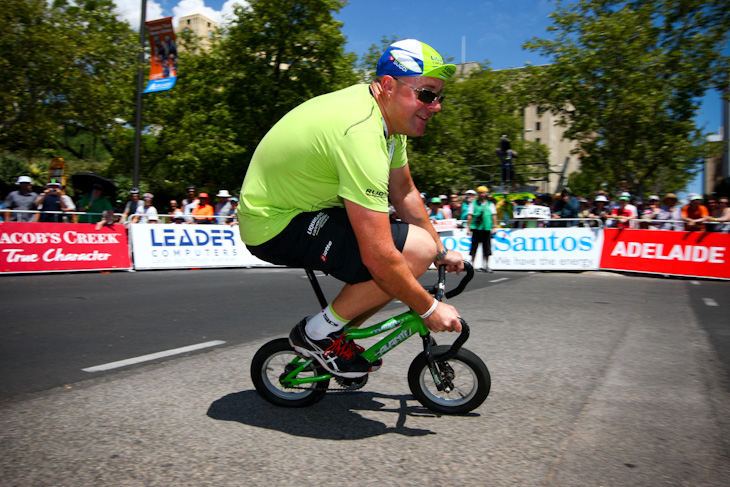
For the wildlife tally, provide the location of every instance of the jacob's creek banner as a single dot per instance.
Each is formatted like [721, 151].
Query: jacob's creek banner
[186, 246]
[47, 247]
[163, 59]
[701, 254]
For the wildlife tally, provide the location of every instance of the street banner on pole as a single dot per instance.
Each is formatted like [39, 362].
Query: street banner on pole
[163, 59]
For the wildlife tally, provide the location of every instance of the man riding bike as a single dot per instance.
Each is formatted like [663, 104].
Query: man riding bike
[317, 192]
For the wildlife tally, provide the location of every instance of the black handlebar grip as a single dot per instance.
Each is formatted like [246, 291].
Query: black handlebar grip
[464, 281]
[456, 346]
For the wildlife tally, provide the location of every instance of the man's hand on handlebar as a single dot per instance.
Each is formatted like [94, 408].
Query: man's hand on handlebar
[453, 261]
[444, 318]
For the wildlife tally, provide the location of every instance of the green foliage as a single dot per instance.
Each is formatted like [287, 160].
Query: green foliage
[626, 79]
[477, 111]
[66, 65]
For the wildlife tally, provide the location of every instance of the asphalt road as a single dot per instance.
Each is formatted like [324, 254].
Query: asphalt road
[598, 379]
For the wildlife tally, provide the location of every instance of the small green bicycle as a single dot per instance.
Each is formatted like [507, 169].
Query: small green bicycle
[447, 379]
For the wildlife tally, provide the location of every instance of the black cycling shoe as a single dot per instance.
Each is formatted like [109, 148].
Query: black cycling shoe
[337, 355]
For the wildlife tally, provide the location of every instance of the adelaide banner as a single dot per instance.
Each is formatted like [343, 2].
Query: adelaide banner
[697, 254]
[48, 247]
[163, 59]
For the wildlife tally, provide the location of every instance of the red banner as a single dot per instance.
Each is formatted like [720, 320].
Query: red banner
[45, 247]
[699, 254]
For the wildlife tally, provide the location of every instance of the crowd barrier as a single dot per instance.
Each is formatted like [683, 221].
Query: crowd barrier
[48, 247]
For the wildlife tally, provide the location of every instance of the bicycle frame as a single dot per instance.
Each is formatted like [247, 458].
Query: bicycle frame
[404, 326]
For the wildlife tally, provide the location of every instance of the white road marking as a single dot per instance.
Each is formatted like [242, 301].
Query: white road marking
[152, 356]
[502, 279]
[710, 302]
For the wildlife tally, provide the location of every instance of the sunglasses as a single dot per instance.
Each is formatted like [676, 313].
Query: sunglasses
[424, 95]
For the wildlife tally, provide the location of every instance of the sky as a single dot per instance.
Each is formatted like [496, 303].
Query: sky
[490, 32]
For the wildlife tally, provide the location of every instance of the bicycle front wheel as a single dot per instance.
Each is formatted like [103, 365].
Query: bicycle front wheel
[467, 373]
[272, 362]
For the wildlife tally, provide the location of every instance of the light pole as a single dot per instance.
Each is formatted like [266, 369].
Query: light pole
[140, 84]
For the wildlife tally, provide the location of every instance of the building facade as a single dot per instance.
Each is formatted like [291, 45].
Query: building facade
[200, 25]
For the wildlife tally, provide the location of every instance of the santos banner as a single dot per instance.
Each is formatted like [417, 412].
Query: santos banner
[189, 246]
[558, 249]
[47, 247]
[163, 59]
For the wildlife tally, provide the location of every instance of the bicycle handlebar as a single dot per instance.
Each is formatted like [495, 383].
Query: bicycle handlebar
[438, 290]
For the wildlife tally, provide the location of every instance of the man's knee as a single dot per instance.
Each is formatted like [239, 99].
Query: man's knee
[419, 250]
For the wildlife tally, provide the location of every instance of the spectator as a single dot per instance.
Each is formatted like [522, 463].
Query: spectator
[670, 214]
[445, 208]
[178, 218]
[2, 207]
[469, 196]
[481, 222]
[203, 212]
[132, 205]
[566, 206]
[234, 212]
[145, 212]
[22, 199]
[720, 216]
[600, 209]
[585, 209]
[435, 212]
[506, 160]
[223, 208]
[623, 213]
[175, 211]
[95, 205]
[189, 203]
[455, 205]
[695, 214]
[649, 213]
[52, 200]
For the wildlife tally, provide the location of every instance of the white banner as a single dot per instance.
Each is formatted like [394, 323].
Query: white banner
[534, 211]
[171, 246]
[535, 249]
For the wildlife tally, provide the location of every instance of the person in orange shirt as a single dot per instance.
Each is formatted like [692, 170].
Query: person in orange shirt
[203, 211]
[695, 214]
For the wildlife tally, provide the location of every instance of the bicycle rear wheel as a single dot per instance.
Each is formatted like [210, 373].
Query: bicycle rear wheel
[270, 363]
[466, 371]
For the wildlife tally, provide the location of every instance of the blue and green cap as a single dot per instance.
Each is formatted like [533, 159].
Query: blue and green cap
[410, 57]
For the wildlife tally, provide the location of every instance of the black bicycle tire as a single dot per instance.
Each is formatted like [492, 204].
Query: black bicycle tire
[469, 359]
[272, 394]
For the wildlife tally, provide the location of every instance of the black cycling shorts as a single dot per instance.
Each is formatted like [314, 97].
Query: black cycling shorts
[324, 241]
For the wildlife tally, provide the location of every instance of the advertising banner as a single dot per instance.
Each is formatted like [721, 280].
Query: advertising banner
[47, 247]
[163, 58]
[534, 249]
[189, 246]
[699, 254]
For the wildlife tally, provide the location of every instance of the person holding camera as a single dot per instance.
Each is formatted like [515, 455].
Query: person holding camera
[481, 221]
[52, 201]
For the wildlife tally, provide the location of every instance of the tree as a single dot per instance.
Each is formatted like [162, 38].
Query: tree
[278, 54]
[66, 68]
[626, 78]
[477, 111]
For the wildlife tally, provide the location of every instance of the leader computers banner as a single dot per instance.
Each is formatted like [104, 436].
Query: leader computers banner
[163, 59]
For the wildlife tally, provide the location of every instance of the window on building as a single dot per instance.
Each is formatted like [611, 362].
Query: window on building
[537, 110]
[188, 21]
[537, 140]
[210, 34]
[208, 24]
[537, 126]
[186, 29]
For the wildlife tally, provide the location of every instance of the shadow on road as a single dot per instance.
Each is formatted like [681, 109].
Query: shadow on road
[336, 417]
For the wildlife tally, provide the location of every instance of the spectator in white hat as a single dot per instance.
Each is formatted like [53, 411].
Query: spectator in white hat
[22, 199]
[145, 213]
[223, 208]
[51, 200]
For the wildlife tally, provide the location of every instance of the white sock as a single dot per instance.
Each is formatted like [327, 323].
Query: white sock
[324, 323]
